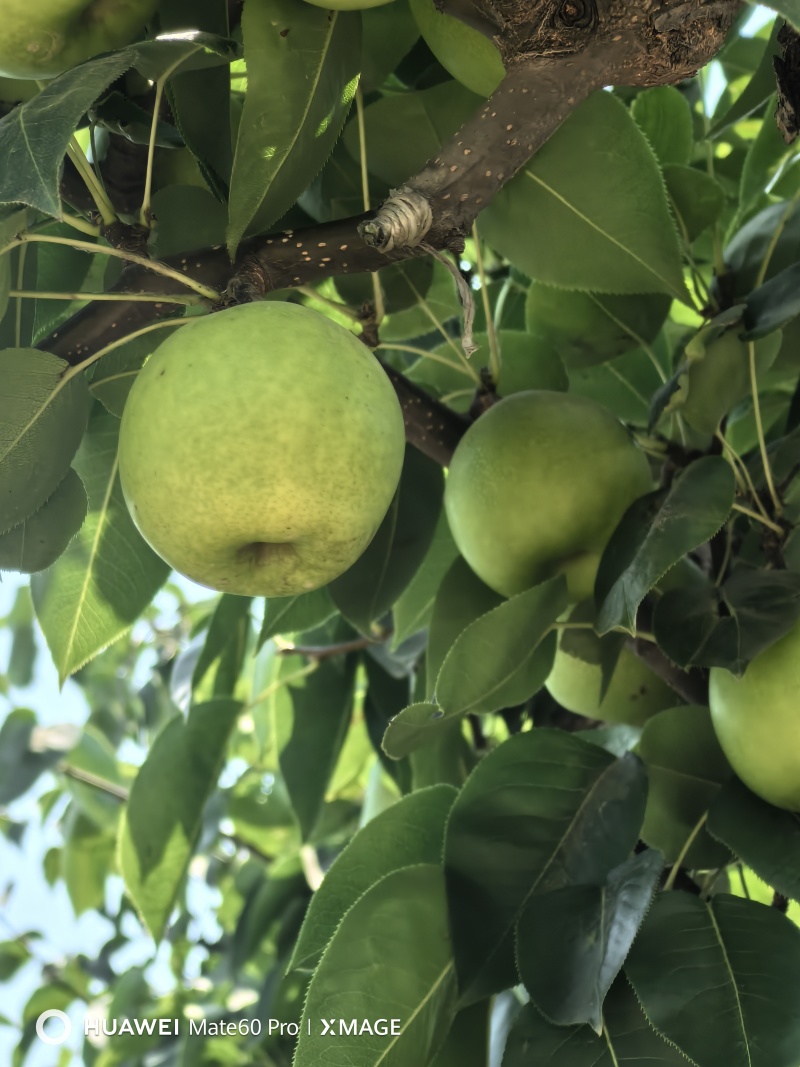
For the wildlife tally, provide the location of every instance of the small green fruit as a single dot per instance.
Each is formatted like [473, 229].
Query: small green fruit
[43, 38]
[465, 52]
[536, 488]
[757, 720]
[634, 693]
[260, 449]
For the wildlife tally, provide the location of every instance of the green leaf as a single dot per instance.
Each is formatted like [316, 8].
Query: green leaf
[686, 768]
[409, 832]
[728, 961]
[115, 374]
[414, 727]
[773, 304]
[188, 218]
[727, 626]
[461, 599]
[697, 199]
[366, 591]
[665, 118]
[225, 645]
[300, 86]
[543, 810]
[657, 531]
[587, 328]
[468, 1039]
[766, 838]
[393, 943]
[571, 943]
[294, 614]
[403, 130]
[312, 715]
[563, 221]
[20, 765]
[628, 1039]
[624, 384]
[771, 236]
[98, 588]
[87, 858]
[757, 91]
[162, 821]
[42, 420]
[414, 607]
[503, 657]
[36, 543]
[388, 34]
[94, 755]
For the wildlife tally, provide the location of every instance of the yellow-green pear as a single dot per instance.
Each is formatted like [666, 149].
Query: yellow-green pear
[757, 720]
[466, 53]
[537, 486]
[260, 449]
[634, 693]
[43, 38]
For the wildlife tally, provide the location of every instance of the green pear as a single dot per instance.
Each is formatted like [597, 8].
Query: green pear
[463, 51]
[634, 693]
[260, 449]
[537, 486]
[43, 38]
[757, 720]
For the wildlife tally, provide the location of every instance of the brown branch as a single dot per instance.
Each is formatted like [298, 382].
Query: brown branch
[691, 686]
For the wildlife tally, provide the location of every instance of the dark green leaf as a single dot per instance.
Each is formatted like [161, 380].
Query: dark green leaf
[98, 588]
[366, 591]
[686, 768]
[757, 91]
[115, 374]
[20, 765]
[542, 811]
[300, 86]
[394, 940]
[37, 542]
[773, 304]
[294, 614]
[665, 118]
[571, 943]
[726, 960]
[697, 199]
[409, 832]
[766, 838]
[388, 33]
[655, 533]
[312, 715]
[163, 817]
[225, 644]
[628, 1039]
[42, 419]
[414, 607]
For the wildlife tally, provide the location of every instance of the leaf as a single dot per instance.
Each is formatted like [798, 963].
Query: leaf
[571, 943]
[388, 34]
[503, 657]
[302, 73]
[414, 727]
[790, 9]
[771, 236]
[366, 591]
[294, 614]
[766, 838]
[624, 384]
[757, 91]
[773, 304]
[461, 599]
[656, 532]
[587, 328]
[543, 810]
[697, 199]
[628, 1039]
[36, 543]
[414, 607]
[403, 130]
[98, 588]
[728, 626]
[468, 1039]
[563, 221]
[225, 645]
[42, 420]
[393, 940]
[161, 823]
[686, 768]
[409, 832]
[312, 715]
[728, 960]
[20, 765]
[87, 859]
[665, 118]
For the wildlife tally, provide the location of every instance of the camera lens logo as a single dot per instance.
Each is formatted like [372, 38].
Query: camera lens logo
[60, 1038]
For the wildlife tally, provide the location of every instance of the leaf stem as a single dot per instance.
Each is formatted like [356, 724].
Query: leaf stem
[759, 518]
[343, 309]
[762, 444]
[96, 190]
[491, 332]
[684, 852]
[83, 225]
[377, 288]
[424, 354]
[152, 264]
[154, 298]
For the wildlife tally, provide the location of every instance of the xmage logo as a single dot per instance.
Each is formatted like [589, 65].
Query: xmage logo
[357, 1027]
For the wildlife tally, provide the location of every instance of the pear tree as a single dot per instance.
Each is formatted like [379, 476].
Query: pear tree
[399, 533]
